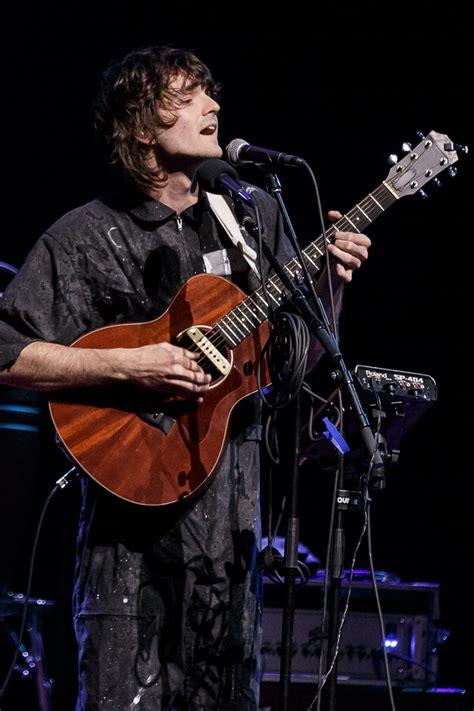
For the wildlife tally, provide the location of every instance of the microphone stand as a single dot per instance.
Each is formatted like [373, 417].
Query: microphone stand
[318, 328]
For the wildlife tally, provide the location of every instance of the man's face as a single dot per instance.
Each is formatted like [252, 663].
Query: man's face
[193, 136]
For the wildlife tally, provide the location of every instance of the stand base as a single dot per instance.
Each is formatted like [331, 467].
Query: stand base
[30, 664]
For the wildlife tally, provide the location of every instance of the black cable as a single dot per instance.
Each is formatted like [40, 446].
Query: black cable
[308, 280]
[60, 484]
[273, 186]
[364, 482]
[379, 613]
[322, 682]
[365, 478]
[369, 549]
[270, 438]
[324, 611]
[263, 281]
[286, 351]
[366, 528]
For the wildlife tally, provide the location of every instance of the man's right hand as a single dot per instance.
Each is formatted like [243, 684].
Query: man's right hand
[166, 368]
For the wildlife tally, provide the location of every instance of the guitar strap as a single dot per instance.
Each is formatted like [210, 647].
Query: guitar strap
[227, 219]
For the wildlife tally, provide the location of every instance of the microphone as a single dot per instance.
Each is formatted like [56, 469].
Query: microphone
[216, 176]
[239, 151]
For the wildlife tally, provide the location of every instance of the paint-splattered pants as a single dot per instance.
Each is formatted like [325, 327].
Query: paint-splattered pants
[167, 602]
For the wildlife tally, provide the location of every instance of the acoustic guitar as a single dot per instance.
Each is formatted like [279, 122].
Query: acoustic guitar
[154, 450]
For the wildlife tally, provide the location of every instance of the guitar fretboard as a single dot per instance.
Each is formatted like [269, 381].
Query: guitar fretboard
[244, 318]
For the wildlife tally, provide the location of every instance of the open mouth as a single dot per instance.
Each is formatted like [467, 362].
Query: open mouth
[209, 130]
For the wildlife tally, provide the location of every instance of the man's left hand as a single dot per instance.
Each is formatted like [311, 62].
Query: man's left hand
[349, 249]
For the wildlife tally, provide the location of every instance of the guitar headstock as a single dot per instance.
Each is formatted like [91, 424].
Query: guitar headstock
[431, 156]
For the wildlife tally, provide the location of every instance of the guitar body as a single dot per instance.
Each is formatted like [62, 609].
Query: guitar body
[114, 437]
[153, 450]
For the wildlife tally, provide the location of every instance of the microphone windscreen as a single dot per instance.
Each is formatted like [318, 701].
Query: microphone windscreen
[211, 170]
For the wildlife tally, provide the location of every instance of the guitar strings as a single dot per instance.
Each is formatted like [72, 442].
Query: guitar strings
[235, 322]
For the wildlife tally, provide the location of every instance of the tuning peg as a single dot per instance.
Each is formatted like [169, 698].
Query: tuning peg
[406, 147]
[422, 194]
[392, 159]
[452, 171]
[420, 135]
[459, 147]
[437, 182]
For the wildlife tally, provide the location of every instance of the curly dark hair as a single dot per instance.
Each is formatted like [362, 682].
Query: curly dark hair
[130, 93]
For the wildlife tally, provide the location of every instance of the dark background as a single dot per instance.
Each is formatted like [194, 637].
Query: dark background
[343, 89]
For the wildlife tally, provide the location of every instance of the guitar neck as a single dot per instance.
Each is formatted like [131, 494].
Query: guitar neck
[243, 319]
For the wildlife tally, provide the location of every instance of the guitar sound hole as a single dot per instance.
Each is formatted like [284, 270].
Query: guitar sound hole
[207, 361]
